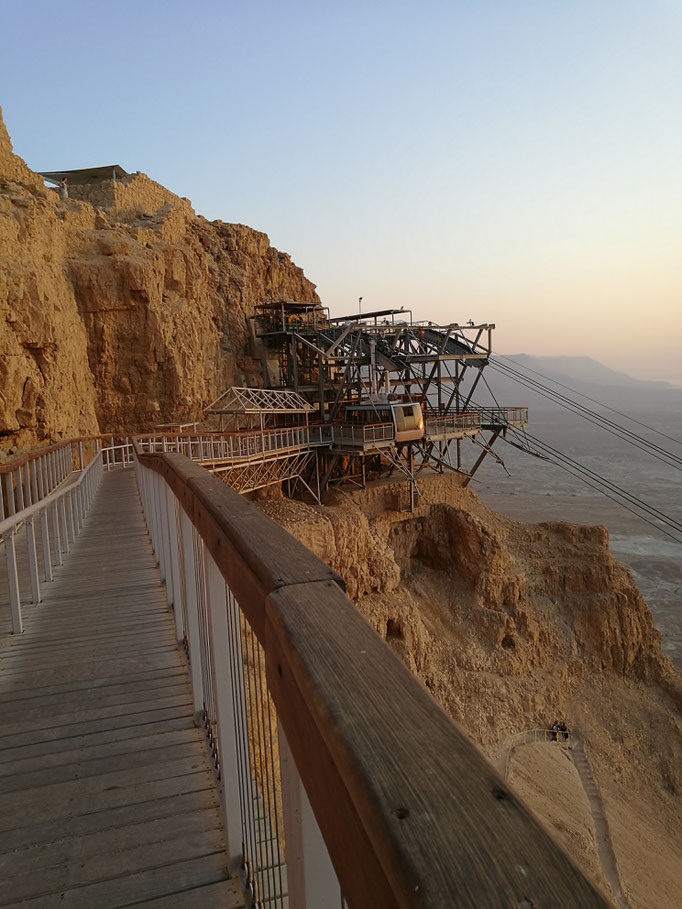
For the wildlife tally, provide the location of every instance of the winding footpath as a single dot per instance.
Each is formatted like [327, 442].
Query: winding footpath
[602, 835]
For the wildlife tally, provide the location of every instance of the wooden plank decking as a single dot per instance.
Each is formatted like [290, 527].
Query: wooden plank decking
[106, 795]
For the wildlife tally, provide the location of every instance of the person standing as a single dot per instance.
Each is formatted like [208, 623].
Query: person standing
[64, 188]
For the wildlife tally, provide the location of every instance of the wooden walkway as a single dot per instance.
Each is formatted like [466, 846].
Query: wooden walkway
[107, 798]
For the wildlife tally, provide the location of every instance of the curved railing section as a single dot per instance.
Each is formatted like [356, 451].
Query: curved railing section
[338, 772]
[59, 517]
[535, 736]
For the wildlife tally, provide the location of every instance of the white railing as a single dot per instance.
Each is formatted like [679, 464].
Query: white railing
[264, 804]
[452, 423]
[538, 735]
[60, 515]
[241, 445]
[31, 479]
[28, 480]
[317, 730]
[345, 434]
[505, 416]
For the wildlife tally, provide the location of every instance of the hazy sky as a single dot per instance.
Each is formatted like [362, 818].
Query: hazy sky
[513, 162]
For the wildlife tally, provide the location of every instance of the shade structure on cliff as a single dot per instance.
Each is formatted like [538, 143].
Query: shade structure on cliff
[258, 400]
[86, 174]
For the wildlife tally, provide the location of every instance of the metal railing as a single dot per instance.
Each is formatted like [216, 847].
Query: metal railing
[452, 423]
[370, 434]
[59, 511]
[318, 731]
[234, 446]
[29, 479]
[535, 736]
[505, 416]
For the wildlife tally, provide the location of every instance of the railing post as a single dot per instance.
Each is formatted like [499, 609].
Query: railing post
[162, 539]
[33, 561]
[167, 545]
[310, 873]
[70, 517]
[193, 639]
[45, 532]
[57, 536]
[77, 507]
[20, 490]
[48, 473]
[61, 507]
[35, 492]
[13, 582]
[28, 491]
[154, 483]
[216, 591]
[174, 553]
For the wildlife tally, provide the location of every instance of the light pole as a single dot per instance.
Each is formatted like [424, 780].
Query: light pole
[360, 305]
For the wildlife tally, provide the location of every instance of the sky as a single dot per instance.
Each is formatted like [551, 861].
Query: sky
[507, 161]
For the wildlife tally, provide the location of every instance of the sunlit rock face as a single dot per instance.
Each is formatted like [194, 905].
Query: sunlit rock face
[124, 316]
[512, 626]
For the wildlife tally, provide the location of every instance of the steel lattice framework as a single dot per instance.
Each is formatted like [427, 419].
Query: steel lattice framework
[258, 474]
[258, 400]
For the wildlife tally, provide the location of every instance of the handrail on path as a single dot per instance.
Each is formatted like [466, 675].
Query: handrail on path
[311, 716]
[47, 496]
[342, 781]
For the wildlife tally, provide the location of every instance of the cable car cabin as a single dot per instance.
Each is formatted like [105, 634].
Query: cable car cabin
[407, 419]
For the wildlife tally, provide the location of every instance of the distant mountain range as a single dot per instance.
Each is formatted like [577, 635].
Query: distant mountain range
[582, 375]
[582, 370]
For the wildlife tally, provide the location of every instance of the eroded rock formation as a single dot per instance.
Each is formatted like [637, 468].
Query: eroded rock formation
[511, 626]
[122, 317]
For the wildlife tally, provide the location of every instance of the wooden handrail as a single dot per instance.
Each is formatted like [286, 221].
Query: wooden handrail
[412, 813]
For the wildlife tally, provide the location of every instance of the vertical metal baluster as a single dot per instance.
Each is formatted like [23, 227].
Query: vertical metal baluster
[71, 516]
[35, 493]
[13, 582]
[193, 640]
[45, 532]
[220, 660]
[28, 492]
[57, 536]
[174, 555]
[48, 473]
[20, 490]
[63, 524]
[33, 561]
[77, 508]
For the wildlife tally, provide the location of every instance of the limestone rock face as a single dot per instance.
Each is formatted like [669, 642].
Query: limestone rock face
[121, 317]
[511, 626]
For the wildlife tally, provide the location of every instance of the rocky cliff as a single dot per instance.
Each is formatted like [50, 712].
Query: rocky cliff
[512, 626]
[125, 316]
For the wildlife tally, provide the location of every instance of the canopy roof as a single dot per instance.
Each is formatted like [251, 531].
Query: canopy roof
[258, 400]
[86, 174]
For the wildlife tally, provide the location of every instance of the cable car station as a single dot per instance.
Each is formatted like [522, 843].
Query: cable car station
[357, 398]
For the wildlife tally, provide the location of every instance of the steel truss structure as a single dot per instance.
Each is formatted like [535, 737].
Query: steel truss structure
[252, 475]
[317, 368]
